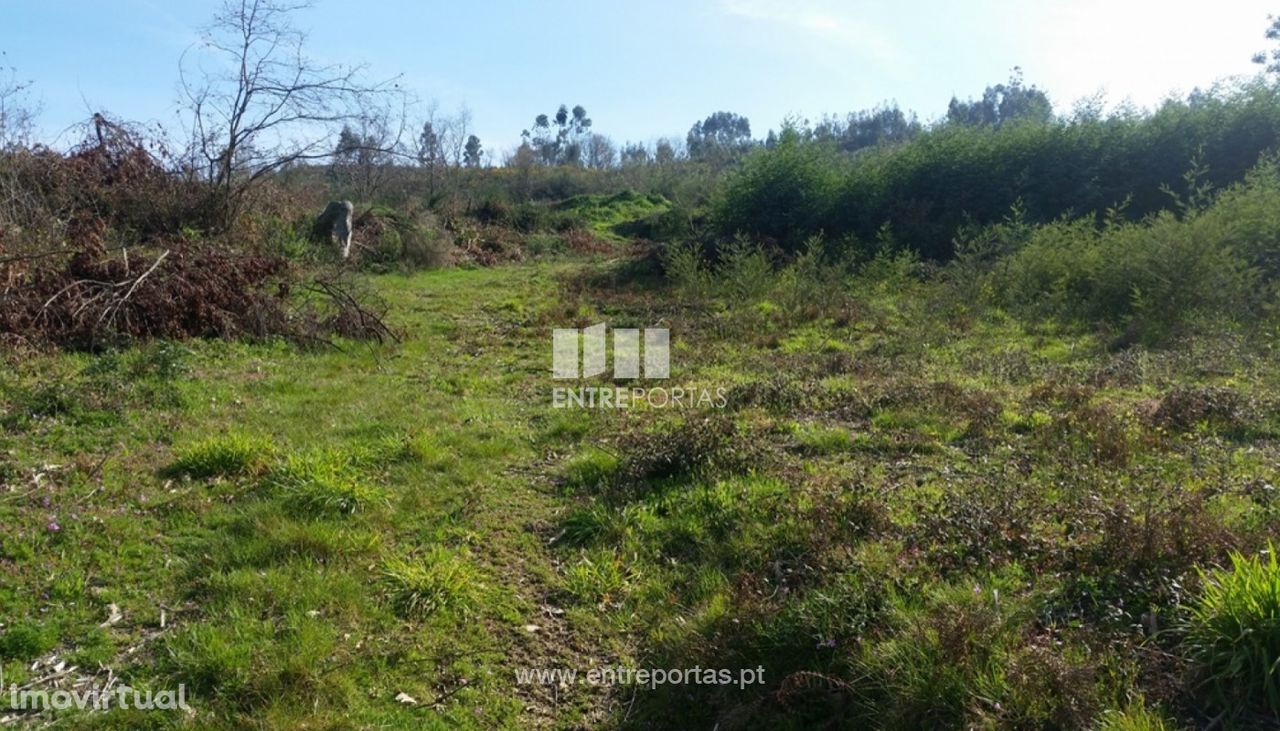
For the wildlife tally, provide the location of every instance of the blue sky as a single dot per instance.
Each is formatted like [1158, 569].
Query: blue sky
[645, 70]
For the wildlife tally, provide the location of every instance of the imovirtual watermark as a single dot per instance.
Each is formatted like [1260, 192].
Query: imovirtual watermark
[646, 677]
[24, 699]
[578, 354]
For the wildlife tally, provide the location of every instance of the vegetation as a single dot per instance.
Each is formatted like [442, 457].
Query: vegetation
[1232, 630]
[958, 174]
[994, 438]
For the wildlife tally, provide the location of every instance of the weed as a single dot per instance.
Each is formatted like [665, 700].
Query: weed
[597, 578]
[1233, 631]
[324, 483]
[816, 440]
[24, 641]
[1137, 716]
[439, 579]
[233, 455]
[699, 446]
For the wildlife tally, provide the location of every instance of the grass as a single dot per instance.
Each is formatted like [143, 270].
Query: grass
[1233, 630]
[611, 217]
[325, 482]
[233, 455]
[439, 579]
[905, 516]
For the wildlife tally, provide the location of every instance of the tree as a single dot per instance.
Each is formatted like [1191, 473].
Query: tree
[522, 161]
[17, 114]
[600, 152]
[1001, 104]
[633, 153]
[471, 155]
[430, 153]
[442, 145]
[720, 136]
[563, 142]
[664, 152]
[458, 132]
[868, 128]
[258, 103]
[365, 153]
[1270, 59]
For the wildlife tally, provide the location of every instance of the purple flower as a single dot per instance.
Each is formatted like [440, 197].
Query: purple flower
[53, 526]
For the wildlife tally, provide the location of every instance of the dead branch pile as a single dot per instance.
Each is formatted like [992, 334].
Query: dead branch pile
[118, 173]
[97, 297]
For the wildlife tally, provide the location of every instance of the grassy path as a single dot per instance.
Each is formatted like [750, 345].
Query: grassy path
[322, 532]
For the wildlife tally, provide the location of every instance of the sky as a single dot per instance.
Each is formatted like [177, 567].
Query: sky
[645, 70]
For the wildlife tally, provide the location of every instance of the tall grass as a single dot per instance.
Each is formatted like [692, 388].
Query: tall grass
[1233, 631]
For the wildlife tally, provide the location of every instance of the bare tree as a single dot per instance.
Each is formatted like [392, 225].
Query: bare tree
[17, 115]
[257, 103]
[600, 152]
[442, 146]
[18, 204]
[459, 129]
[368, 149]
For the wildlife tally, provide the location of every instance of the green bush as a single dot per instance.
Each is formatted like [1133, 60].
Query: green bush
[783, 195]
[409, 238]
[686, 268]
[745, 274]
[1153, 277]
[955, 175]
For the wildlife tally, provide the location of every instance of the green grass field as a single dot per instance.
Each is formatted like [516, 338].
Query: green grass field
[908, 515]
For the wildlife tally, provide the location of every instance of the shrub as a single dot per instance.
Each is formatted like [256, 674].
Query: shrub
[781, 195]
[813, 284]
[1218, 407]
[954, 175]
[411, 238]
[697, 447]
[745, 274]
[1233, 631]
[1153, 278]
[686, 269]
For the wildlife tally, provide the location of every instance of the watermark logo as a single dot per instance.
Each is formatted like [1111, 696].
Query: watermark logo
[568, 344]
[638, 354]
[100, 698]
[649, 678]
